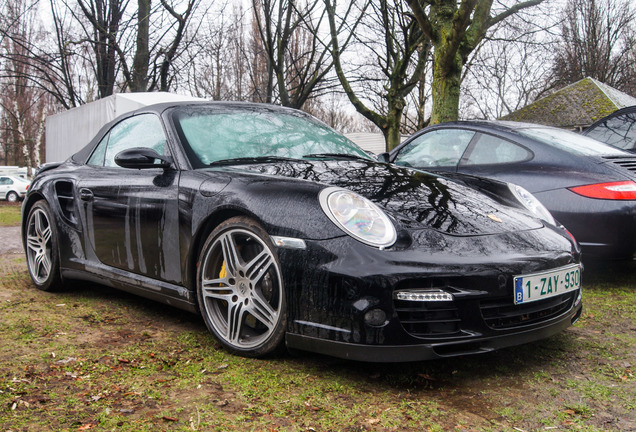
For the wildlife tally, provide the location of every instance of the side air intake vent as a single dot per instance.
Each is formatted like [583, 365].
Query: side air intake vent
[64, 193]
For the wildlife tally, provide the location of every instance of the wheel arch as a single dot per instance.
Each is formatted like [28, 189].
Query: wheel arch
[11, 191]
[54, 280]
[27, 205]
[203, 231]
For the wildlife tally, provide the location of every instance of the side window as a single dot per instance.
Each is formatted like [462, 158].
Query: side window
[438, 148]
[489, 150]
[97, 158]
[619, 131]
[139, 131]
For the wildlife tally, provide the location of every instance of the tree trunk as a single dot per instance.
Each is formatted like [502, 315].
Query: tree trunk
[445, 88]
[391, 132]
[141, 61]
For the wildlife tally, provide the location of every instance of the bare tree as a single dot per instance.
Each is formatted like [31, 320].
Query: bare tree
[597, 40]
[109, 34]
[228, 60]
[508, 70]
[211, 58]
[297, 60]
[97, 47]
[394, 63]
[104, 33]
[455, 29]
[139, 80]
[24, 105]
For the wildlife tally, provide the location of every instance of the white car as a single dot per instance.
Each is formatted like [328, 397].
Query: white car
[13, 188]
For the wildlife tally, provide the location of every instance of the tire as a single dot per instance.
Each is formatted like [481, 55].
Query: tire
[240, 289]
[41, 245]
[12, 196]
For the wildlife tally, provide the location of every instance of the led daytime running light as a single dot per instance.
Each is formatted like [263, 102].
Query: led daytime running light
[424, 296]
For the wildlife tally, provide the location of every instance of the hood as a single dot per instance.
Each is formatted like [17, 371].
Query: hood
[415, 199]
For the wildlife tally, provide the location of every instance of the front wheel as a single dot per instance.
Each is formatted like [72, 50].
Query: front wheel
[240, 288]
[40, 242]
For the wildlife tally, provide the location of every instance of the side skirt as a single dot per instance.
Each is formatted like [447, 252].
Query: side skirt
[173, 295]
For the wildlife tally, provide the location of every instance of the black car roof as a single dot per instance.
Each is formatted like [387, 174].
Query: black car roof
[82, 155]
[493, 124]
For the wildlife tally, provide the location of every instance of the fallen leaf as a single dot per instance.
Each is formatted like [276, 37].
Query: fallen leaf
[172, 419]
[427, 377]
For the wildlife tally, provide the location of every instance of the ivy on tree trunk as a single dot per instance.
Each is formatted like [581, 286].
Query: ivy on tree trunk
[455, 29]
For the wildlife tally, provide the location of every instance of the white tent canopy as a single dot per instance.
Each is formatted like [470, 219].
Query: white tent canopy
[69, 131]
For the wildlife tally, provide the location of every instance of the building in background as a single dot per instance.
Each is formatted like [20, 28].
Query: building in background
[574, 107]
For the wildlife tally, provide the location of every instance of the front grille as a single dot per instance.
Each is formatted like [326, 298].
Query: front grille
[503, 313]
[628, 163]
[428, 319]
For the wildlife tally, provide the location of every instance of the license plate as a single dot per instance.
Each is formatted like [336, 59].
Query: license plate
[539, 286]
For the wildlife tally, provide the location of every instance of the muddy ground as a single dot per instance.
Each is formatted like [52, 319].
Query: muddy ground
[94, 358]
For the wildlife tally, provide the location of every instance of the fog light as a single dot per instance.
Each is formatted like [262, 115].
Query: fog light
[375, 317]
[424, 295]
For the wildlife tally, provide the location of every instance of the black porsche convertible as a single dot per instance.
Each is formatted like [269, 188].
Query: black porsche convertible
[279, 231]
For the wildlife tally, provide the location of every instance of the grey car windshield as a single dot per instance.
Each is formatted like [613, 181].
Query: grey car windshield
[213, 135]
[571, 142]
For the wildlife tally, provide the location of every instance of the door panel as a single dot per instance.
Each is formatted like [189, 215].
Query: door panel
[131, 215]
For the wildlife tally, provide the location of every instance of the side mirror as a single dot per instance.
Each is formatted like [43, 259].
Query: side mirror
[142, 158]
[383, 157]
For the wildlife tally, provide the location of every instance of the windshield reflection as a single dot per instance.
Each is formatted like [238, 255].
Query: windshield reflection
[210, 134]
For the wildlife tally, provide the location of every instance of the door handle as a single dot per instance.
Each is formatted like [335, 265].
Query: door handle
[86, 194]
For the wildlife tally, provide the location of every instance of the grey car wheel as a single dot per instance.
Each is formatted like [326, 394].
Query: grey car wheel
[240, 288]
[12, 196]
[40, 242]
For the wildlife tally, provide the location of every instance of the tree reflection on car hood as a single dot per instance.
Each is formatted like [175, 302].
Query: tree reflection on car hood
[414, 198]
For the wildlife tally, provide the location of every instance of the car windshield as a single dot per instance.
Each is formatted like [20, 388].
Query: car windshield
[619, 131]
[571, 142]
[251, 135]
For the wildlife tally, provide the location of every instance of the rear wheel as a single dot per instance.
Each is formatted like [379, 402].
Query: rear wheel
[41, 248]
[12, 196]
[240, 288]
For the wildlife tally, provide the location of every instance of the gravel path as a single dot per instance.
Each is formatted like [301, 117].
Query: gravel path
[10, 242]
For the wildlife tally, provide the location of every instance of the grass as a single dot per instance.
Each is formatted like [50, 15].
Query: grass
[10, 214]
[92, 358]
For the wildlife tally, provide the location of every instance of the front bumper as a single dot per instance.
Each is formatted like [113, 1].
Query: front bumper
[337, 300]
[431, 350]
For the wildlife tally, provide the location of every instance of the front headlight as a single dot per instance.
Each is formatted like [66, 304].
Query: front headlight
[358, 217]
[530, 202]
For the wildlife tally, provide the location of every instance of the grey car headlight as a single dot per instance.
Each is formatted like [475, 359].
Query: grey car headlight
[530, 202]
[358, 217]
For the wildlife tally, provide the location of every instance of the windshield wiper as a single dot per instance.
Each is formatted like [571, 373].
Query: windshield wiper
[346, 156]
[250, 160]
